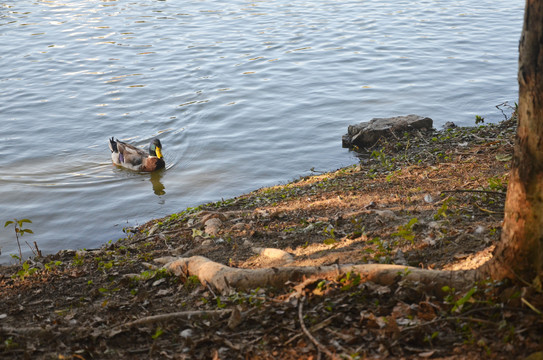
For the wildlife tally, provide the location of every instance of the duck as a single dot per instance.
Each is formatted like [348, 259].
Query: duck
[133, 158]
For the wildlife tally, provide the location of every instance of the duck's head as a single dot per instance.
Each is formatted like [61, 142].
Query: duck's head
[155, 148]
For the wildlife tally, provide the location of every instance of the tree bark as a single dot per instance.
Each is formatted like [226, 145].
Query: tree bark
[520, 252]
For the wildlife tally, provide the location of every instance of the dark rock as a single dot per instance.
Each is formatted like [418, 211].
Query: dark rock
[449, 125]
[366, 134]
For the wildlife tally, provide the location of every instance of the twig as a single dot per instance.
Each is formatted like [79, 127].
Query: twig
[211, 290]
[315, 327]
[155, 234]
[422, 137]
[38, 250]
[531, 306]
[474, 191]
[489, 211]
[393, 134]
[182, 314]
[24, 330]
[308, 334]
[36, 253]
[450, 318]
[31, 249]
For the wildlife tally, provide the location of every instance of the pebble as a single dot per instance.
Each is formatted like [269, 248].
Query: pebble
[187, 333]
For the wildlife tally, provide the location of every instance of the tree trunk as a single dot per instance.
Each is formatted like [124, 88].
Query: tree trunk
[520, 252]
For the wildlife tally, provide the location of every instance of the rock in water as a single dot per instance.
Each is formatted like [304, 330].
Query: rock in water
[368, 133]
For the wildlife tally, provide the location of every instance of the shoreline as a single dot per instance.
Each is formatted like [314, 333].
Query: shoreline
[432, 202]
[375, 153]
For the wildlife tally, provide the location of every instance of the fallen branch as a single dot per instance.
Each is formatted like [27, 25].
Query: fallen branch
[183, 314]
[25, 330]
[226, 279]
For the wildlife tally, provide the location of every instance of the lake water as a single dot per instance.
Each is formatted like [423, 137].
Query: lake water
[243, 94]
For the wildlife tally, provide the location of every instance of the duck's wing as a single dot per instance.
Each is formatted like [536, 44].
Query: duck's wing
[130, 156]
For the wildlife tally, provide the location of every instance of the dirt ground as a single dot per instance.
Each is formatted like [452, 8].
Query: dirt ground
[431, 200]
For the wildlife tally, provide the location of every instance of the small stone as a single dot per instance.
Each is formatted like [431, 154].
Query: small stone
[187, 333]
[163, 292]
[159, 281]
[235, 319]
[429, 241]
[428, 198]
[207, 243]
[239, 226]
[479, 230]
[247, 243]
[385, 214]
[399, 258]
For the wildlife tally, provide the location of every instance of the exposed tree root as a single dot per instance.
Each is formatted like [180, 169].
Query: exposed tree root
[226, 279]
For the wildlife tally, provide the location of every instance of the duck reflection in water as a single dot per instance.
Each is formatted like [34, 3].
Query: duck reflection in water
[158, 186]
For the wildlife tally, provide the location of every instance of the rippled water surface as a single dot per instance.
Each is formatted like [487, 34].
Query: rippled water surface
[241, 94]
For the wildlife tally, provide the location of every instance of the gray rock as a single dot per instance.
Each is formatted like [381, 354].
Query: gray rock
[366, 134]
[449, 125]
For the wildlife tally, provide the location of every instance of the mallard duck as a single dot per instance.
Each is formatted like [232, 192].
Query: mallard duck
[133, 158]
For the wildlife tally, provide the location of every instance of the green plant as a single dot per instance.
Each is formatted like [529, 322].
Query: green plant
[173, 217]
[220, 304]
[192, 282]
[359, 228]
[25, 271]
[156, 274]
[442, 211]
[458, 304]
[350, 280]
[104, 266]
[19, 231]
[9, 343]
[380, 156]
[430, 338]
[158, 333]
[78, 260]
[497, 184]
[51, 265]
[404, 273]
[331, 235]
[406, 231]
[479, 119]
[105, 291]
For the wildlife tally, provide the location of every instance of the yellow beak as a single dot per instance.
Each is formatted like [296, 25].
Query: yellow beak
[158, 153]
